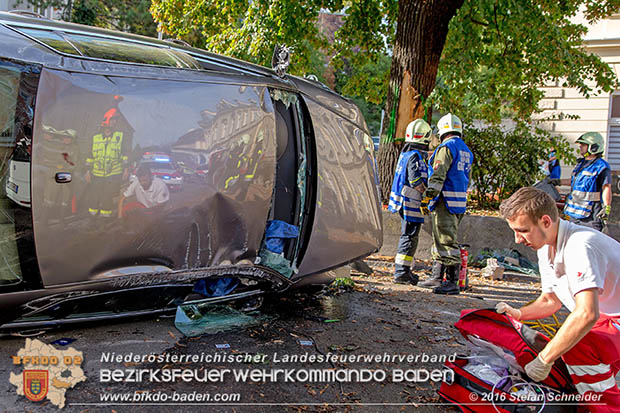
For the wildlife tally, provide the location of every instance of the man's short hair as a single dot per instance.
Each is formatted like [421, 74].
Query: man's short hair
[143, 170]
[530, 201]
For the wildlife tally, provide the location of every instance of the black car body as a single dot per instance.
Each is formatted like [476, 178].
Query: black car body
[285, 149]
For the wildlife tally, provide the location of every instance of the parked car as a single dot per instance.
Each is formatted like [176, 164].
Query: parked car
[290, 154]
[18, 175]
[162, 167]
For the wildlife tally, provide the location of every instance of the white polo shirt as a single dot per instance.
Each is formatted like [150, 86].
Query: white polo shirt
[585, 258]
[156, 194]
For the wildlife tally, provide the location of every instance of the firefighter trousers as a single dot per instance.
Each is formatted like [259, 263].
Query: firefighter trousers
[407, 245]
[103, 190]
[445, 231]
[593, 364]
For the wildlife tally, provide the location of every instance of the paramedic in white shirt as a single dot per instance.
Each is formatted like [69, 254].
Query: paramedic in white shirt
[580, 269]
[149, 191]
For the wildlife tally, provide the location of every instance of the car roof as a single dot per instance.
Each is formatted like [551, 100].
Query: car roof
[63, 52]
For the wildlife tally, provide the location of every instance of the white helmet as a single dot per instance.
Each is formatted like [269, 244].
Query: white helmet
[449, 123]
[418, 131]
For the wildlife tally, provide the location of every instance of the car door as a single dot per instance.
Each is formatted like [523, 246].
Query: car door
[347, 221]
[215, 220]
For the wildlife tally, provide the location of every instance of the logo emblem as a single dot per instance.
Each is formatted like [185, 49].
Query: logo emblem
[35, 384]
[579, 274]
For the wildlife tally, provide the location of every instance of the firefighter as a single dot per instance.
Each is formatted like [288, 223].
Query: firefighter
[590, 184]
[409, 183]
[554, 169]
[107, 165]
[580, 269]
[446, 198]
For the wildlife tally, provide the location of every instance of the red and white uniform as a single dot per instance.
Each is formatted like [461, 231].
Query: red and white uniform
[156, 194]
[585, 259]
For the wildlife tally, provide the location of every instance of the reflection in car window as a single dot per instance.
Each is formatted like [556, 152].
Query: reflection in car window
[53, 40]
[159, 165]
[13, 177]
[112, 49]
[22, 152]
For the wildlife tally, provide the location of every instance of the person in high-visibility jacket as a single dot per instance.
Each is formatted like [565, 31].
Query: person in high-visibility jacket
[446, 198]
[409, 183]
[589, 202]
[107, 165]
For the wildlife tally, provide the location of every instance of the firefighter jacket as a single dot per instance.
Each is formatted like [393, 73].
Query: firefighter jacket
[107, 158]
[403, 195]
[555, 171]
[454, 186]
[584, 189]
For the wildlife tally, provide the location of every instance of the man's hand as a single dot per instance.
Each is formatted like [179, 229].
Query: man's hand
[424, 205]
[537, 369]
[603, 214]
[502, 308]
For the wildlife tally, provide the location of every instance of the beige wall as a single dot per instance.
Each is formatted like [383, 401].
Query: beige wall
[602, 39]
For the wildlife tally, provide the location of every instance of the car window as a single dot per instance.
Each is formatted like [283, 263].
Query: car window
[112, 49]
[51, 39]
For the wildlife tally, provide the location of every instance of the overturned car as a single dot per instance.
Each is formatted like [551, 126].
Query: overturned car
[269, 179]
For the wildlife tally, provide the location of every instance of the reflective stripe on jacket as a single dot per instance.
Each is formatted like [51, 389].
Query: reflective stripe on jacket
[402, 194]
[106, 156]
[584, 191]
[455, 186]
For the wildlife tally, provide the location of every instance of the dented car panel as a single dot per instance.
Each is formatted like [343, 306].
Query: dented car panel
[219, 218]
[278, 175]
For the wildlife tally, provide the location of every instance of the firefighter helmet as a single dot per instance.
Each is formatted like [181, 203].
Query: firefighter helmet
[449, 123]
[418, 131]
[109, 115]
[595, 142]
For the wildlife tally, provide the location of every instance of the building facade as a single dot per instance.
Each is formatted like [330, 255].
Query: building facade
[599, 113]
[49, 12]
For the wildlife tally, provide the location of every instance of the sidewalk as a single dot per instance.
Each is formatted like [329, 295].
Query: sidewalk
[476, 230]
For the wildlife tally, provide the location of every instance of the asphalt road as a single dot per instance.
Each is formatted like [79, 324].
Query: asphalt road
[377, 318]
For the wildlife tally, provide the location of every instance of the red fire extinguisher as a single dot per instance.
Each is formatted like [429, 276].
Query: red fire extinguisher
[463, 279]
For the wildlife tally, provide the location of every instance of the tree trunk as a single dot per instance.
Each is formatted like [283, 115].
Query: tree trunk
[420, 36]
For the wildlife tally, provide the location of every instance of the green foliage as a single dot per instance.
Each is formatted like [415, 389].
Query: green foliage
[125, 15]
[249, 30]
[365, 42]
[499, 52]
[369, 80]
[507, 159]
[367, 87]
[134, 16]
[341, 285]
[86, 12]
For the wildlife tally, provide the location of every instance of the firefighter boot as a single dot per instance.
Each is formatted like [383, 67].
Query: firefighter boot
[449, 286]
[436, 276]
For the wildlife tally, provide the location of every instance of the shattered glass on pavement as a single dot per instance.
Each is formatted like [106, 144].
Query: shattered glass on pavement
[193, 320]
